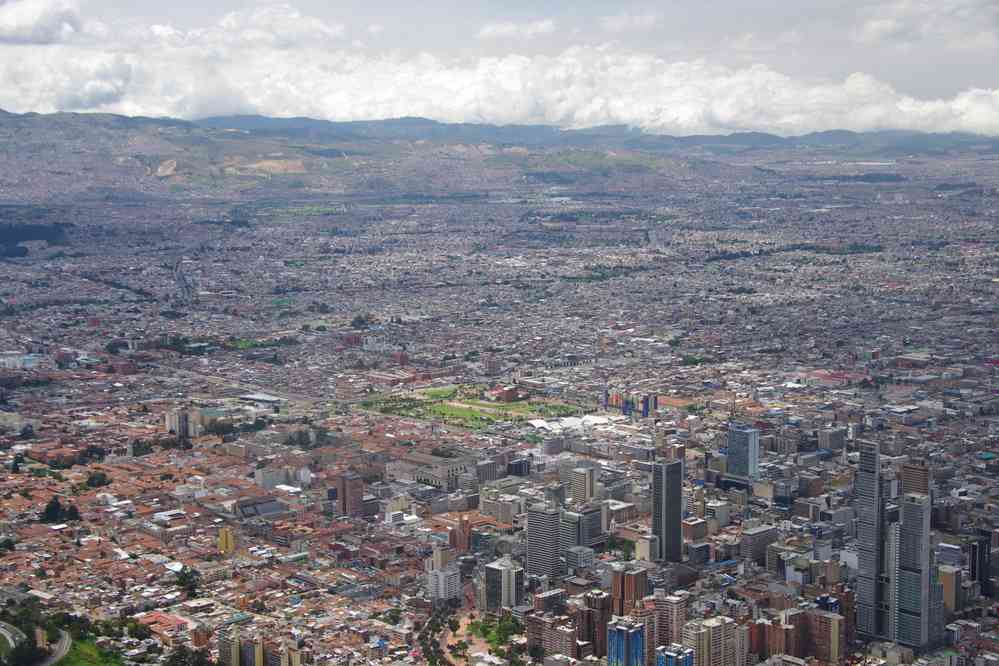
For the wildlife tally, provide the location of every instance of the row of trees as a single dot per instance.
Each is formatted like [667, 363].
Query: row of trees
[55, 512]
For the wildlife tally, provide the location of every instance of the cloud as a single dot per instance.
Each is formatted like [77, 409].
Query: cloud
[38, 21]
[954, 24]
[628, 22]
[106, 84]
[281, 63]
[277, 26]
[509, 29]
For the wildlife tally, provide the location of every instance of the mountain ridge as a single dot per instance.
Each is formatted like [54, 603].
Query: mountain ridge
[417, 128]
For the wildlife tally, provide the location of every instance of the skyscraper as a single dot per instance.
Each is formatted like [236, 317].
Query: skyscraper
[503, 585]
[917, 477]
[743, 451]
[582, 484]
[582, 527]
[872, 601]
[444, 584]
[645, 613]
[674, 655]
[628, 586]
[712, 640]
[596, 616]
[667, 504]
[915, 579]
[543, 548]
[978, 549]
[350, 493]
[625, 642]
[671, 615]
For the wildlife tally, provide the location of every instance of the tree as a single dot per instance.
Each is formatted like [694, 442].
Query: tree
[361, 322]
[185, 656]
[53, 511]
[453, 625]
[189, 580]
[73, 514]
[138, 630]
[97, 479]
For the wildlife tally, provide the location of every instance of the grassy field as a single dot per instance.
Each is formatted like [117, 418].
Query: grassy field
[462, 406]
[85, 653]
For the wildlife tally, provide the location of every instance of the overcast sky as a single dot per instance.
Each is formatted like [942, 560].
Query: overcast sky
[681, 67]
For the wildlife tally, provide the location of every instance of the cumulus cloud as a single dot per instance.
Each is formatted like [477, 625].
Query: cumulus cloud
[509, 29]
[956, 24]
[38, 21]
[282, 64]
[276, 26]
[629, 22]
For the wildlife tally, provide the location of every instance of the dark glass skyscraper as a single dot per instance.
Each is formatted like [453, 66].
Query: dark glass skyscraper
[743, 451]
[667, 505]
[872, 603]
[978, 549]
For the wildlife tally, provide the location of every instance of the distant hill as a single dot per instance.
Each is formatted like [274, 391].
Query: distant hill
[111, 159]
[412, 129]
[886, 142]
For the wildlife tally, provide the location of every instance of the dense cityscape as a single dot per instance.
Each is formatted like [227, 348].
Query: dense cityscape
[286, 393]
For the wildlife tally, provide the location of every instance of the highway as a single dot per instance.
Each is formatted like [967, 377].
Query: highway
[59, 650]
[12, 634]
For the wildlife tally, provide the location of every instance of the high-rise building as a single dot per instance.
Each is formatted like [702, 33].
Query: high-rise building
[833, 439]
[582, 484]
[978, 550]
[645, 614]
[228, 645]
[674, 655]
[625, 642]
[628, 586]
[444, 584]
[227, 540]
[594, 618]
[827, 634]
[439, 559]
[712, 640]
[917, 477]
[951, 579]
[543, 547]
[872, 600]
[743, 451]
[667, 506]
[915, 578]
[741, 646]
[671, 615]
[582, 527]
[579, 557]
[555, 494]
[754, 542]
[503, 582]
[350, 494]
[180, 423]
